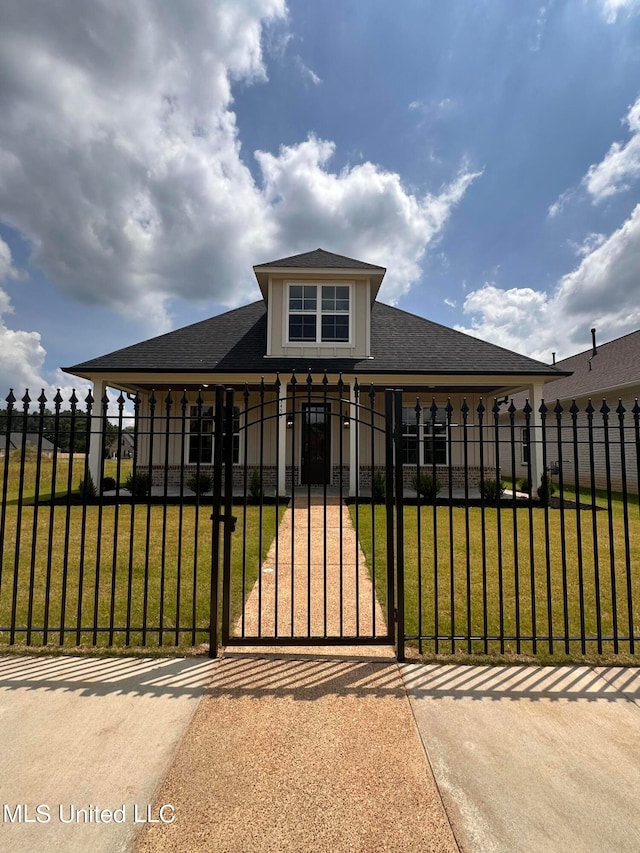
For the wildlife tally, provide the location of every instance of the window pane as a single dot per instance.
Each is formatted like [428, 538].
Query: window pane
[295, 298]
[236, 436]
[302, 297]
[309, 298]
[409, 450]
[335, 328]
[328, 298]
[342, 299]
[409, 423]
[302, 327]
[435, 446]
[335, 298]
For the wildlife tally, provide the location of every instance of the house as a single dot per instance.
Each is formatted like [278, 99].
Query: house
[319, 320]
[606, 372]
[31, 439]
[121, 446]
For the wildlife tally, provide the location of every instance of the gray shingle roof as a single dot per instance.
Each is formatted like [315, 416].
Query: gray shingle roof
[617, 365]
[235, 342]
[320, 259]
[31, 440]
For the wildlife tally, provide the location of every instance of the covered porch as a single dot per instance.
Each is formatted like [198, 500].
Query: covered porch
[317, 431]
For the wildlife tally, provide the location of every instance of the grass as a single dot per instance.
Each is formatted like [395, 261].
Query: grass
[31, 477]
[446, 584]
[108, 572]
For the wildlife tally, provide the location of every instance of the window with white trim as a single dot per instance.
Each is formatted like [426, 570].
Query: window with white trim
[201, 436]
[424, 442]
[319, 313]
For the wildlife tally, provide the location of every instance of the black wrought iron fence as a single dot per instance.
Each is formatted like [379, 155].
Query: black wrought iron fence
[486, 528]
[536, 550]
[97, 547]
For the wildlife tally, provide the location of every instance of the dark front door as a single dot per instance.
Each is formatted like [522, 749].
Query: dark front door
[316, 443]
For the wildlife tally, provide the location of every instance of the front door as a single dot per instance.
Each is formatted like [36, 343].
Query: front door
[316, 444]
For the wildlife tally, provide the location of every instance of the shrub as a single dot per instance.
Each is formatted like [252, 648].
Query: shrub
[200, 483]
[255, 485]
[87, 488]
[428, 487]
[378, 487]
[546, 489]
[524, 485]
[108, 484]
[492, 490]
[139, 484]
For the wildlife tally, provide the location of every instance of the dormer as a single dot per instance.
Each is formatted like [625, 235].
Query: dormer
[319, 305]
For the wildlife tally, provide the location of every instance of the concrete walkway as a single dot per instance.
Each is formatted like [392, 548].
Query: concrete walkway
[319, 580]
[82, 733]
[534, 758]
[301, 756]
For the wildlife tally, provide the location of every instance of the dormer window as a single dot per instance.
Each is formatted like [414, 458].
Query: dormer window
[319, 313]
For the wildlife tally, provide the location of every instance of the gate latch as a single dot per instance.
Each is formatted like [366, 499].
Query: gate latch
[232, 519]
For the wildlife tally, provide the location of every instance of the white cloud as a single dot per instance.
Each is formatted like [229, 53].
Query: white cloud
[558, 206]
[119, 153]
[590, 242]
[433, 108]
[121, 162]
[601, 291]
[362, 211]
[21, 353]
[620, 166]
[612, 8]
[307, 73]
[451, 303]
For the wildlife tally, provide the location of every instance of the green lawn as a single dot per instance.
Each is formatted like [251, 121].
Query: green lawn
[31, 475]
[450, 570]
[106, 573]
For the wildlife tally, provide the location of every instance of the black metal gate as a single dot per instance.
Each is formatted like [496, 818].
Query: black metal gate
[312, 468]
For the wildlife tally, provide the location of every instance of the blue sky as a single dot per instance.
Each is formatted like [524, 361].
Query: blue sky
[487, 152]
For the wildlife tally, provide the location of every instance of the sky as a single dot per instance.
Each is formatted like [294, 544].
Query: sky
[486, 152]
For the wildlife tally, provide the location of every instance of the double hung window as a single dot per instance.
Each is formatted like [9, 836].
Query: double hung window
[424, 442]
[201, 435]
[319, 313]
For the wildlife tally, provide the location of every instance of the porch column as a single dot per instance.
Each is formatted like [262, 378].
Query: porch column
[97, 428]
[536, 394]
[282, 439]
[354, 474]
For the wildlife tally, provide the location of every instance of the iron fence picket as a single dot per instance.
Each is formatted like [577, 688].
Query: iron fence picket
[547, 539]
[620, 411]
[604, 411]
[590, 411]
[574, 410]
[452, 572]
[527, 411]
